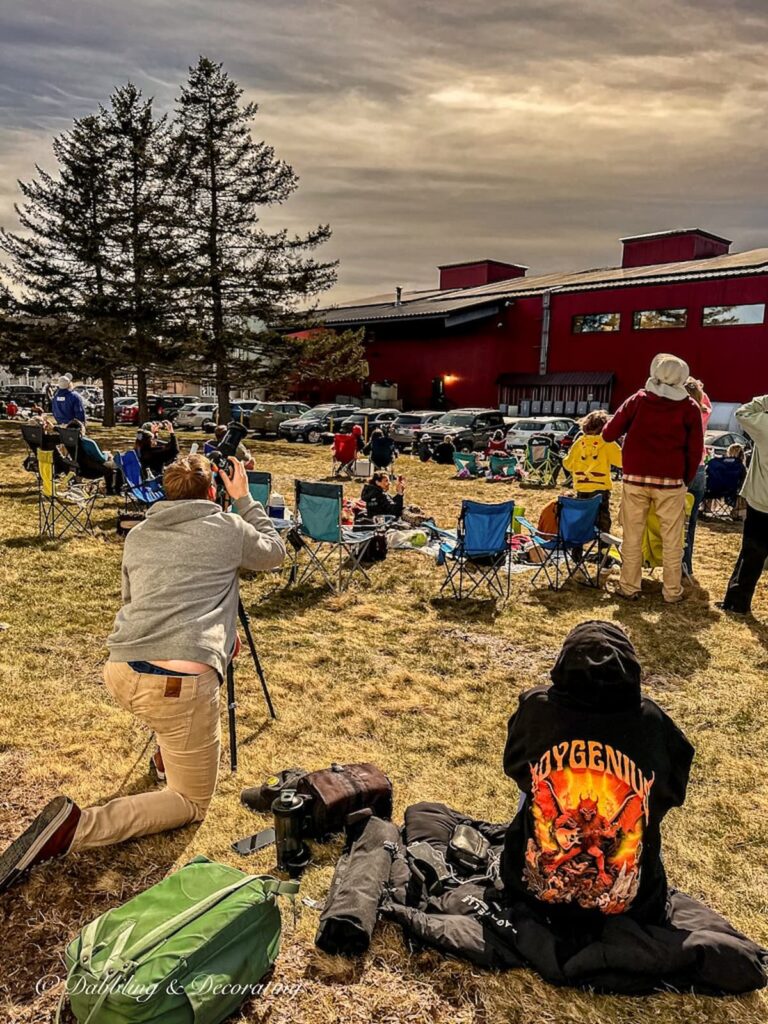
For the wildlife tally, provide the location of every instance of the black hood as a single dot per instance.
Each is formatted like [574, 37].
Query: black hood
[597, 669]
[370, 490]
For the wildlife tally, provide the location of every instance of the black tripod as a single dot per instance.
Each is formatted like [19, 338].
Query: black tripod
[231, 701]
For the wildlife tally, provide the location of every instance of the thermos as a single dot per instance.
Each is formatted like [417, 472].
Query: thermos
[288, 812]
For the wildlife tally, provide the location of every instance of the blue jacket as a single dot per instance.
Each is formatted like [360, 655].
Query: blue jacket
[67, 405]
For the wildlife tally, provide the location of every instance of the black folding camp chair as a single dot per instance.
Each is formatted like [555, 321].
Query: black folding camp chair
[61, 511]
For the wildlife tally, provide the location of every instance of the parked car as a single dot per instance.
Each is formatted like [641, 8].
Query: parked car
[717, 442]
[159, 407]
[409, 426]
[195, 415]
[266, 417]
[23, 395]
[375, 417]
[313, 423]
[469, 429]
[569, 437]
[520, 434]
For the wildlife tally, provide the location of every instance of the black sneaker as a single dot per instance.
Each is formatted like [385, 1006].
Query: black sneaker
[260, 798]
[49, 836]
[730, 611]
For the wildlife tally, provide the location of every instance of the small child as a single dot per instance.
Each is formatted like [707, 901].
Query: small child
[590, 460]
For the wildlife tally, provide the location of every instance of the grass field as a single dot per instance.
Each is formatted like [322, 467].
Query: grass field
[387, 673]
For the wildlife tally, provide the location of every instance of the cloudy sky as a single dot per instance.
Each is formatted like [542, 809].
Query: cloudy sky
[430, 131]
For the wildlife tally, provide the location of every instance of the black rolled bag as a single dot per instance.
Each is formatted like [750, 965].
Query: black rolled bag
[411, 878]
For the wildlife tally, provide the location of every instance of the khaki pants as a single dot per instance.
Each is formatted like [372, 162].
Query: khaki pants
[183, 711]
[670, 508]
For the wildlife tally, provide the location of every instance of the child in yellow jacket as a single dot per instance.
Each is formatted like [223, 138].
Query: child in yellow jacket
[590, 461]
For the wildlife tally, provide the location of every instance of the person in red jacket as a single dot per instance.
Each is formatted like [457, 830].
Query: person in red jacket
[663, 447]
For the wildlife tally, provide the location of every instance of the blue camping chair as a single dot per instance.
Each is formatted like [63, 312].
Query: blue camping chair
[725, 477]
[480, 552]
[137, 492]
[568, 552]
[259, 486]
[468, 461]
[333, 550]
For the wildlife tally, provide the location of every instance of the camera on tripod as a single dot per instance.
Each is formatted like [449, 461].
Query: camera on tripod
[227, 447]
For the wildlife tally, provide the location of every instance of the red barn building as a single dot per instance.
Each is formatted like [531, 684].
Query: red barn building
[490, 335]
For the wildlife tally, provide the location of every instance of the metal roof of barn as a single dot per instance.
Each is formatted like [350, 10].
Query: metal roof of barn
[426, 303]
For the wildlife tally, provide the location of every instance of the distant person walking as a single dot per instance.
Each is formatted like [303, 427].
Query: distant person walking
[663, 447]
[753, 418]
[67, 404]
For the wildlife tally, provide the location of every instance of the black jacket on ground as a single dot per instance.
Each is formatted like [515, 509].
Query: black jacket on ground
[692, 948]
[599, 766]
[379, 503]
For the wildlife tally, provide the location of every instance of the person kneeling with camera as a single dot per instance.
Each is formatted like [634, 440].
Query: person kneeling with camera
[168, 654]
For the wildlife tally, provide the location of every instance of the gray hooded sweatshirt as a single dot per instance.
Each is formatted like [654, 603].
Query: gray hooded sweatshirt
[180, 580]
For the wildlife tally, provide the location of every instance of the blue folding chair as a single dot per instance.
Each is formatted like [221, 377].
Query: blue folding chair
[333, 550]
[568, 552]
[480, 552]
[259, 486]
[137, 492]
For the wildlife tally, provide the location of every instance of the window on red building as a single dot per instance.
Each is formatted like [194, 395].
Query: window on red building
[592, 323]
[654, 319]
[731, 316]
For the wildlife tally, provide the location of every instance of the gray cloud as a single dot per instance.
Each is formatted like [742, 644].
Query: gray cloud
[426, 132]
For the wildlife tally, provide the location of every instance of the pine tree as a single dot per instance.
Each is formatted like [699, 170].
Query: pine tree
[64, 316]
[242, 277]
[145, 259]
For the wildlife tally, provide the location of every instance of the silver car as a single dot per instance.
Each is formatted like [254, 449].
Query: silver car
[520, 433]
[409, 426]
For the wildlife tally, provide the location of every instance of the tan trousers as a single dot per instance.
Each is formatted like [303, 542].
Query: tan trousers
[670, 508]
[183, 711]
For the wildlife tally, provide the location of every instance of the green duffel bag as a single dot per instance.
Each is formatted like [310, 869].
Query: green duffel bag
[189, 950]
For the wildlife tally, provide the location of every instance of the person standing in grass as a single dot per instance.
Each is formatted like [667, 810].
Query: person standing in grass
[590, 460]
[753, 419]
[698, 485]
[663, 448]
[168, 653]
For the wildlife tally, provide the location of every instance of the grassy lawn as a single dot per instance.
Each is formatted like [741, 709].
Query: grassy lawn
[387, 673]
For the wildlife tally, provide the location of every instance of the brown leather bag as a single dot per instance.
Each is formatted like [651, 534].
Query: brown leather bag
[333, 793]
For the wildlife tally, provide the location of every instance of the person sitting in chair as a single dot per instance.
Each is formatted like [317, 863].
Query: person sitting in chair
[445, 451]
[381, 449]
[497, 445]
[378, 500]
[94, 464]
[168, 652]
[153, 453]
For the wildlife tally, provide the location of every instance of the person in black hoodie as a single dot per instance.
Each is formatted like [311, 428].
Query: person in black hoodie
[378, 501]
[445, 451]
[599, 766]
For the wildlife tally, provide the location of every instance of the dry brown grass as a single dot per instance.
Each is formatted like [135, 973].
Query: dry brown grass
[387, 673]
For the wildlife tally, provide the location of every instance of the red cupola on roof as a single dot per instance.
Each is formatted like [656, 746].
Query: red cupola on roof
[672, 247]
[477, 272]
